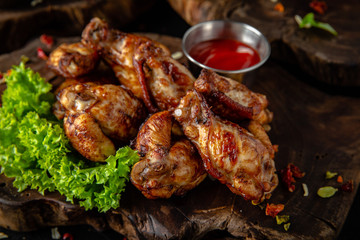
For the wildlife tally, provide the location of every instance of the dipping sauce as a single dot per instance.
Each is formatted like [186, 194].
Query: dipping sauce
[225, 54]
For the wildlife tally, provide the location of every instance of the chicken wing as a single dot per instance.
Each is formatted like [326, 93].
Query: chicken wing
[165, 167]
[230, 153]
[142, 65]
[72, 60]
[85, 105]
[231, 99]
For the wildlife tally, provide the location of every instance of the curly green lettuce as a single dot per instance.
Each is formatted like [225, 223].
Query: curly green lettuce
[36, 153]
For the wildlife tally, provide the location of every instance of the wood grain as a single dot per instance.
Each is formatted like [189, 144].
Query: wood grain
[315, 130]
[334, 60]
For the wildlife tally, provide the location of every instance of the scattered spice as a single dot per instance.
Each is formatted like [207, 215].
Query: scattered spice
[177, 55]
[41, 54]
[273, 209]
[306, 190]
[308, 21]
[288, 174]
[286, 226]
[330, 175]
[326, 192]
[55, 233]
[348, 186]
[24, 59]
[275, 147]
[47, 40]
[340, 179]
[280, 219]
[67, 236]
[279, 7]
[3, 236]
[318, 6]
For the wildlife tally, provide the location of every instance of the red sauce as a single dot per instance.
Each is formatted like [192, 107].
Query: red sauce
[225, 54]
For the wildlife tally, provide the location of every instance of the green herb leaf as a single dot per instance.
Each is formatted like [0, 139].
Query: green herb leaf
[326, 192]
[330, 175]
[286, 226]
[280, 219]
[36, 153]
[309, 21]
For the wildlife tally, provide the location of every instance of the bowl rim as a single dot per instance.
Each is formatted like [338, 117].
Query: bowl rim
[243, 70]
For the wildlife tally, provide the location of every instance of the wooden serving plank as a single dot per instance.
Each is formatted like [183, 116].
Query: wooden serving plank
[315, 130]
[334, 60]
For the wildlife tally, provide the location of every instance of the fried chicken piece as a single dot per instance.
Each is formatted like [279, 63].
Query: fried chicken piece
[165, 167]
[72, 60]
[142, 65]
[231, 99]
[85, 105]
[230, 153]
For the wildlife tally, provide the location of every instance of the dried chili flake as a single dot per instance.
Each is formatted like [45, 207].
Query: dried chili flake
[47, 40]
[348, 186]
[340, 179]
[1, 75]
[67, 236]
[288, 174]
[273, 209]
[279, 7]
[318, 6]
[41, 54]
[296, 171]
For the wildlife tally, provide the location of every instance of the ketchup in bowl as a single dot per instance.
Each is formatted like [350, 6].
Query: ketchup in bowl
[225, 54]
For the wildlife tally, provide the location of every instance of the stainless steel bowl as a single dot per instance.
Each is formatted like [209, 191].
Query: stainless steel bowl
[223, 29]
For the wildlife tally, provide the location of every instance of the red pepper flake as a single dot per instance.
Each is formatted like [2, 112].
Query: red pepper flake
[273, 209]
[340, 179]
[67, 236]
[318, 6]
[288, 174]
[1, 76]
[279, 7]
[47, 40]
[348, 186]
[41, 54]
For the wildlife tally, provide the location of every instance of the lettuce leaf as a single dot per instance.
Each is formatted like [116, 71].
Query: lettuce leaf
[36, 153]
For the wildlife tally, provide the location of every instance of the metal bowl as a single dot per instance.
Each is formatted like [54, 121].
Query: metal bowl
[224, 29]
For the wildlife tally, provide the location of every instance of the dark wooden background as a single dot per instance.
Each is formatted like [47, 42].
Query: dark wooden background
[174, 25]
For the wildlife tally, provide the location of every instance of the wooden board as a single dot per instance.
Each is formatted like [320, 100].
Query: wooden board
[315, 130]
[19, 21]
[328, 59]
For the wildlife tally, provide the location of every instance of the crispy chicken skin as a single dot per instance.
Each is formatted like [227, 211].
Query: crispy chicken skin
[72, 60]
[166, 167]
[230, 153]
[142, 65]
[231, 99]
[106, 111]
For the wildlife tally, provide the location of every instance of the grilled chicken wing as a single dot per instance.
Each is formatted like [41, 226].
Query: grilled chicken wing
[94, 114]
[230, 153]
[165, 167]
[142, 65]
[72, 60]
[231, 99]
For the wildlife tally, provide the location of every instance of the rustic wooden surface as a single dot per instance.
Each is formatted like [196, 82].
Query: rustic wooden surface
[329, 59]
[19, 21]
[315, 130]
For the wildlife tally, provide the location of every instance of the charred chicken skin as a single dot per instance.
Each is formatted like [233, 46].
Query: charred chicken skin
[72, 60]
[231, 99]
[230, 153]
[167, 167]
[142, 65]
[97, 116]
